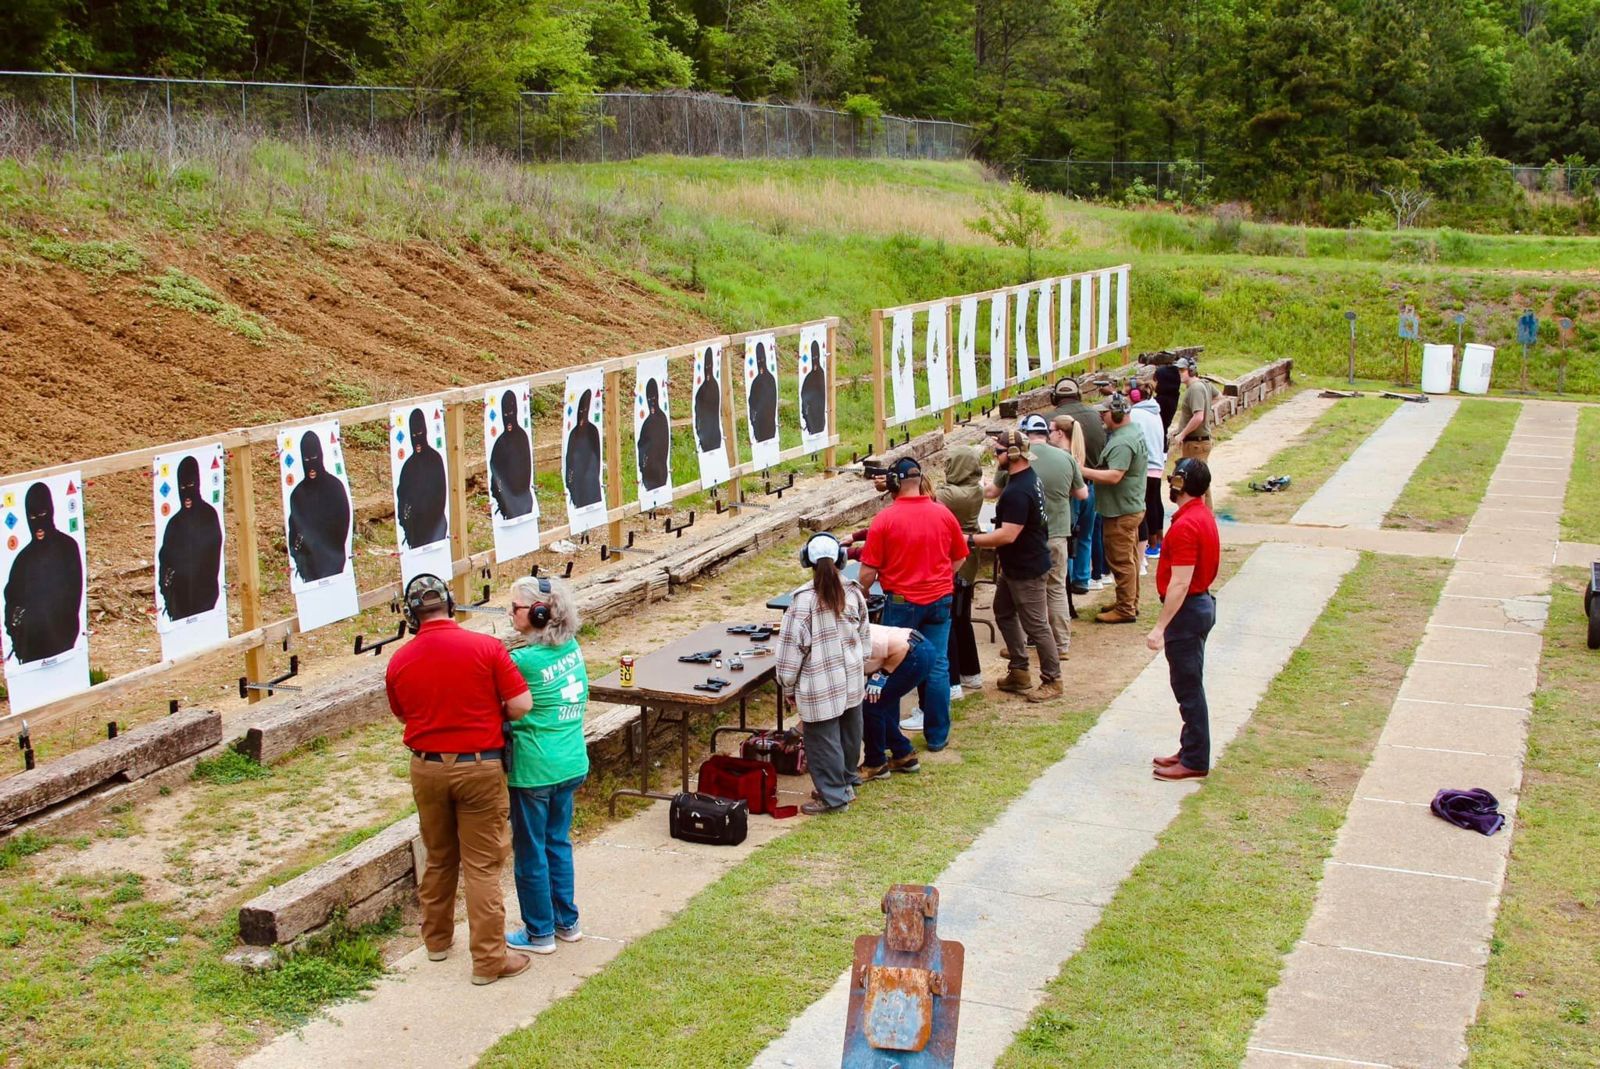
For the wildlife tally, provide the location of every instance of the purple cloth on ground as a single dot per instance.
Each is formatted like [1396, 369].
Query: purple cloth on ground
[1476, 810]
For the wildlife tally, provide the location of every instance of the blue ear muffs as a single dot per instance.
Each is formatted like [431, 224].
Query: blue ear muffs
[823, 546]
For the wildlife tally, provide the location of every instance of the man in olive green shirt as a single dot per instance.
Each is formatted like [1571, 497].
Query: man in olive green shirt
[1062, 482]
[1120, 499]
[1193, 434]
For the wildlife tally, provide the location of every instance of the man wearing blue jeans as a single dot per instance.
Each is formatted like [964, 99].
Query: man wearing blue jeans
[913, 549]
[900, 659]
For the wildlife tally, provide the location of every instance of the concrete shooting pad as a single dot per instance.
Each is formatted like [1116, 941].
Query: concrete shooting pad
[1369, 482]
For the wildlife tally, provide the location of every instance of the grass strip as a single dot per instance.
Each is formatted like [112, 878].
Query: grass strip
[1317, 454]
[723, 979]
[1580, 522]
[1178, 969]
[1447, 486]
[1541, 1002]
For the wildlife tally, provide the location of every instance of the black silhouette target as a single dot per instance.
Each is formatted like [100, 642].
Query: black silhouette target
[583, 456]
[814, 392]
[319, 515]
[44, 591]
[189, 561]
[708, 406]
[422, 492]
[511, 463]
[654, 444]
[762, 400]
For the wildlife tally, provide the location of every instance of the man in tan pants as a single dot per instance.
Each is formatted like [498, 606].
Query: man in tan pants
[453, 690]
[1120, 500]
[1193, 435]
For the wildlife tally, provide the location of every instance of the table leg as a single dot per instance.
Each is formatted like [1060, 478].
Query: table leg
[644, 790]
[683, 738]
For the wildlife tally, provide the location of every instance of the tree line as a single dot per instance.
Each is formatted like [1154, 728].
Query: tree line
[1303, 107]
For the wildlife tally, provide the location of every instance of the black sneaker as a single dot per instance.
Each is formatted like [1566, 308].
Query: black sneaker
[1079, 591]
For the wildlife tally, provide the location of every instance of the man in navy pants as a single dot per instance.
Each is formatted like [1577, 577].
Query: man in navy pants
[1189, 559]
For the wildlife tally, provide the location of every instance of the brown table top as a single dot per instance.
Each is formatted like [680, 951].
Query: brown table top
[660, 677]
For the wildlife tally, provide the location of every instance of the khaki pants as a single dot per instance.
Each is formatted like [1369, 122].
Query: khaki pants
[1056, 594]
[1122, 553]
[463, 809]
[1200, 451]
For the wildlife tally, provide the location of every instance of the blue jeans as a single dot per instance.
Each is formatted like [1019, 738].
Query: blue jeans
[1088, 528]
[883, 716]
[933, 620]
[541, 845]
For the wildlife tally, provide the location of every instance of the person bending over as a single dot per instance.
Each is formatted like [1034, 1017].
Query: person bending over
[822, 645]
[900, 659]
[549, 762]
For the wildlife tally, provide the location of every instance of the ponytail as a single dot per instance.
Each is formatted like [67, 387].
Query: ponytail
[828, 586]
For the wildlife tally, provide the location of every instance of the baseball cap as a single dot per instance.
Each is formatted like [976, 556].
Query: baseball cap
[1185, 362]
[1066, 388]
[1013, 442]
[907, 468]
[1117, 404]
[1033, 424]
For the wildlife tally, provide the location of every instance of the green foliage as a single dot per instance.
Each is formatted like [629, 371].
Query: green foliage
[230, 766]
[1016, 218]
[175, 289]
[101, 258]
[23, 844]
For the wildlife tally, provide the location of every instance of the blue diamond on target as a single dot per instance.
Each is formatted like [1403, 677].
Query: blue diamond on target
[11, 519]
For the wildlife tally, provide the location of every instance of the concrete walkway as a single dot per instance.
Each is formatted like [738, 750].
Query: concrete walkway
[1259, 441]
[1023, 896]
[1390, 968]
[1369, 482]
[426, 1015]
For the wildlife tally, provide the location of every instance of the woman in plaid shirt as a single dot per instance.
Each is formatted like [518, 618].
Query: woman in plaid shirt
[822, 647]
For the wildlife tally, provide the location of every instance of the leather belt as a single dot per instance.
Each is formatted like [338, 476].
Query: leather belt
[481, 755]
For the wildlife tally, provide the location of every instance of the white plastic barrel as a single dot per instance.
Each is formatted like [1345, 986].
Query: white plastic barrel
[1477, 365]
[1437, 363]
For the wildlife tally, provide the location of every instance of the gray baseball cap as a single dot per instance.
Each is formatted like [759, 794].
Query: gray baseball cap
[1034, 424]
[1117, 404]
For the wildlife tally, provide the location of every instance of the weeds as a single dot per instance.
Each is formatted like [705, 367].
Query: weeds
[175, 289]
[230, 766]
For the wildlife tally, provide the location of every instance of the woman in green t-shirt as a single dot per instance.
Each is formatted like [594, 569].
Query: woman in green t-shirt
[548, 763]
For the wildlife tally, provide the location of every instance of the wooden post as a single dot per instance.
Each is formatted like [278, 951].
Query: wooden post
[729, 442]
[880, 437]
[949, 367]
[829, 455]
[613, 410]
[1057, 303]
[455, 443]
[247, 561]
[1003, 306]
[1091, 296]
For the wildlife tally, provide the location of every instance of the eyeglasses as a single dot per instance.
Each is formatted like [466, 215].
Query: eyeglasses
[520, 608]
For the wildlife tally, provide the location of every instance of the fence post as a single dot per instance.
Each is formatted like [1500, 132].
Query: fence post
[72, 88]
[879, 437]
[602, 129]
[372, 110]
[613, 445]
[688, 133]
[247, 562]
[829, 456]
[632, 152]
[741, 129]
[731, 441]
[244, 105]
[788, 137]
[519, 127]
[170, 131]
[455, 445]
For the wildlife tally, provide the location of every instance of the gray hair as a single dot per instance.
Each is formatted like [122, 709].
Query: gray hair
[564, 622]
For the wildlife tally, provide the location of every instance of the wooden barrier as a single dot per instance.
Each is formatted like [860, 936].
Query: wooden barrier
[131, 756]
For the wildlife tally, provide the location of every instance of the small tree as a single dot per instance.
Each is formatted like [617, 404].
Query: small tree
[1017, 218]
[1408, 203]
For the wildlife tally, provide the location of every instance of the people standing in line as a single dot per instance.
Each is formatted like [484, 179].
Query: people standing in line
[1193, 435]
[962, 494]
[1120, 486]
[1189, 561]
[913, 548]
[822, 647]
[549, 762]
[1146, 415]
[1021, 542]
[454, 690]
[1062, 481]
[899, 659]
[1068, 397]
[1169, 386]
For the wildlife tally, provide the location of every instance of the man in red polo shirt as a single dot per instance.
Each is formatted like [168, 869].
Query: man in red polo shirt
[453, 690]
[913, 549]
[1190, 554]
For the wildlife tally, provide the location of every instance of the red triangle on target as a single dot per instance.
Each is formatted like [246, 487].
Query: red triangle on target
[71, 487]
[215, 463]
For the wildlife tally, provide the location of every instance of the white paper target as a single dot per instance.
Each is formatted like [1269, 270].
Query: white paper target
[813, 365]
[902, 373]
[318, 523]
[508, 450]
[1085, 313]
[1019, 346]
[761, 398]
[420, 478]
[44, 604]
[997, 342]
[191, 588]
[583, 465]
[967, 349]
[1103, 312]
[1047, 351]
[938, 357]
[652, 433]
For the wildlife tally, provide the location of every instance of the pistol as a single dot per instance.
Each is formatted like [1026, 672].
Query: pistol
[703, 657]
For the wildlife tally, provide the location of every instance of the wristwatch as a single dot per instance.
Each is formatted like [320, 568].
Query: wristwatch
[972, 544]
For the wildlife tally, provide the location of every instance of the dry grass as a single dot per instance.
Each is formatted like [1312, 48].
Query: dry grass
[829, 205]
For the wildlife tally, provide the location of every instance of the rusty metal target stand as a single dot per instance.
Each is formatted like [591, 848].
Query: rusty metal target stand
[905, 988]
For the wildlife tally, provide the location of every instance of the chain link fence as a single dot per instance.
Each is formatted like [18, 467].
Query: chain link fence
[114, 113]
[1181, 180]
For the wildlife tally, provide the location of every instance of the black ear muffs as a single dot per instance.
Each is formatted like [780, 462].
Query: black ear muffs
[539, 611]
[416, 597]
[891, 482]
[823, 546]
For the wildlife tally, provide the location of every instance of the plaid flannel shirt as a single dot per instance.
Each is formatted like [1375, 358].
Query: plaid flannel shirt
[820, 656]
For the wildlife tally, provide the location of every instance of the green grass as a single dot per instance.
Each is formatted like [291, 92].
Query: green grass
[1178, 969]
[230, 767]
[1309, 462]
[175, 289]
[1447, 486]
[720, 981]
[1541, 1002]
[1580, 522]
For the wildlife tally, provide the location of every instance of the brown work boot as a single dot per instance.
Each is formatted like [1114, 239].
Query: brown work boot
[1112, 616]
[1017, 680]
[516, 964]
[1046, 691]
[872, 772]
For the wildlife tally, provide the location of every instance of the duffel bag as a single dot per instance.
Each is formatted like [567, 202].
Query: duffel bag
[784, 750]
[705, 818]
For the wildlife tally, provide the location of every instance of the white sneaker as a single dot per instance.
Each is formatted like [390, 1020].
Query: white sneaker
[972, 682]
[912, 722]
[1096, 584]
[955, 693]
[1144, 569]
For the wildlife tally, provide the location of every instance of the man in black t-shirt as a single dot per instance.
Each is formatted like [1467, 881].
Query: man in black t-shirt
[1021, 599]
